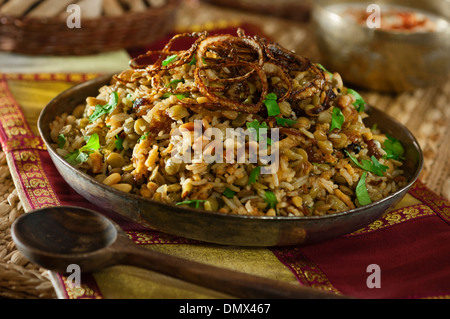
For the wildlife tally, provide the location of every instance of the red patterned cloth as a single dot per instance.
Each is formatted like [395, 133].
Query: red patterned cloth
[409, 245]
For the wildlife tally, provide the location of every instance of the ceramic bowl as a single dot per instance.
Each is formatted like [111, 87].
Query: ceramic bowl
[372, 57]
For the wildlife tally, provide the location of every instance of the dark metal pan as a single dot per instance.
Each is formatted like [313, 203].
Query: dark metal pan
[216, 227]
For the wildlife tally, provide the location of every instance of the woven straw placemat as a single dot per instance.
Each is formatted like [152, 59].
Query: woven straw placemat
[18, 277]
[425, 112]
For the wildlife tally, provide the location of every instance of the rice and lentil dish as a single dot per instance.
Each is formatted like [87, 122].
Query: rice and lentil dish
[328, 160]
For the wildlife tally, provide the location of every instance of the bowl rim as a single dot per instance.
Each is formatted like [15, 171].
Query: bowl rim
[99, 81]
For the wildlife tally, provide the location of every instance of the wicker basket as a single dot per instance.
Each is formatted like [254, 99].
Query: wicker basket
[53, 37]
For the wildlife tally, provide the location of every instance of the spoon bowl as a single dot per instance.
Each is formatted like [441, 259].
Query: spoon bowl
[56, 237]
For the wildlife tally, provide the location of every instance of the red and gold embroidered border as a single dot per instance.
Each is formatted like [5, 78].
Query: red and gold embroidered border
[395, 217]
[22, 149]
[33, 179]
[15, 132]
[64, 77]
[88, 288]
[438, 204]
[153, 237]
[306, 272]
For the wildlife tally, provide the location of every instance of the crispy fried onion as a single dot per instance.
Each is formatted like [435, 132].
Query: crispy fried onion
[232, 72]
[183, 56]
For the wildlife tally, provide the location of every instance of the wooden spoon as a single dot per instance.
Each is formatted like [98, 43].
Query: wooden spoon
[56, 237]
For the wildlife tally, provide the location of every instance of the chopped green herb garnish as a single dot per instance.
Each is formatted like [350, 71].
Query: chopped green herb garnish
[377, 167]
[359, 103]
[270, 199]
[271, 104]
[337, 119]
[229, 193]
[285, 122]
[93, 144]
[253, 124]
[182, 96]
[77, 157]
[176, 81]
[166, 95]
[179, 96]
[393, 148]
[193, 61]
[254, 175]
[143, 137]
[192, 202]
[320, 66]
[361, 191]
[373, 166]
[271, 96]
[169, 59]
[82, 155]
[105, 109]
[119, 143]
[256, 126]
[61, 140]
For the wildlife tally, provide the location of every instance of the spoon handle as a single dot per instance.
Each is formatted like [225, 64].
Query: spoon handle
[227, 281]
